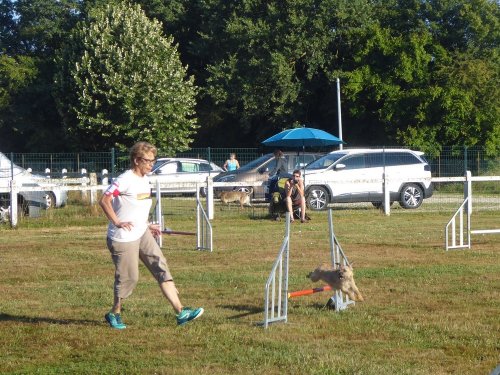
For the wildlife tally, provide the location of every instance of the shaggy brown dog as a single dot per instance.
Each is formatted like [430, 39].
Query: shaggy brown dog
[339, 278]
[227, 197]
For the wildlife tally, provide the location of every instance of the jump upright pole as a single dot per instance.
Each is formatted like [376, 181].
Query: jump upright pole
[306, 292]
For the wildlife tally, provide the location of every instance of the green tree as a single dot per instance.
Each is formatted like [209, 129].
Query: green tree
[120, 80]
[15, 74]
[427, 74]
[30, 31]
[273, 73]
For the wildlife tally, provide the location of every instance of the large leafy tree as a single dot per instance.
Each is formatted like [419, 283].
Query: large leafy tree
[30, 31]
[407, 68]
[423, 73]
[121, 80]
[274, 63]
[431, 74]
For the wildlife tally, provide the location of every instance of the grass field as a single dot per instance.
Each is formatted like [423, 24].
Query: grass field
[426, 311]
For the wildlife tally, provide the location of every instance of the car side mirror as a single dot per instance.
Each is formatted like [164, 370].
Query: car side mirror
[263, 170]
[339, 167]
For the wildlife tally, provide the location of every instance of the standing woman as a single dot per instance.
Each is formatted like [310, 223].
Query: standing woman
[231, 164]
[131, 237]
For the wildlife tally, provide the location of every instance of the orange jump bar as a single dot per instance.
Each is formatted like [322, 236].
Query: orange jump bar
[306, 292]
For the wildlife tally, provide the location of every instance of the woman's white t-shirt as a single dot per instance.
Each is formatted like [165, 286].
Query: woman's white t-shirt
[131, 203]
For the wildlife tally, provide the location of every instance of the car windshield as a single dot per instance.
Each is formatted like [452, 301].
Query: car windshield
[325, 161]
[254, 163]
[158, 164]
[6, 167]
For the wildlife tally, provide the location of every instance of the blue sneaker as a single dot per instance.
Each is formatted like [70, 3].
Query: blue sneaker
[187, 314]
[115, 320]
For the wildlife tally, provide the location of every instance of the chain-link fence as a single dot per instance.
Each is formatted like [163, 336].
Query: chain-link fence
[452, 161]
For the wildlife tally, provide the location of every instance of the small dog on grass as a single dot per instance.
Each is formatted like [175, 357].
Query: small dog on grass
[227, 197]
[339, 278]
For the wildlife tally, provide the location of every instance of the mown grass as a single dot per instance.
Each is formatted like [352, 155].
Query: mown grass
[426, 310]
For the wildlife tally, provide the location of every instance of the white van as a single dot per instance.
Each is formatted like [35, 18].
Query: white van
[357, 175]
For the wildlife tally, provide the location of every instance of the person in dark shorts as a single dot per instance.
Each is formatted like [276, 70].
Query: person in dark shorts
[294, 190]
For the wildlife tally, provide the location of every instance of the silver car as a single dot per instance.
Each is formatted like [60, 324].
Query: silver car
[43, 194]
[255, 174]
[181, 175]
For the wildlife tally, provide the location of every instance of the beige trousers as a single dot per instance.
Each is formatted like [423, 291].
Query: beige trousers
[126, 257]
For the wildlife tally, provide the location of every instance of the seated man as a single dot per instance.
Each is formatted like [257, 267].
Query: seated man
[294, 189]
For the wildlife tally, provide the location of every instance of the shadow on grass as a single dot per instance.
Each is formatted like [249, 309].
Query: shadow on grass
[246, 310]
[29, 319]
[325, 306]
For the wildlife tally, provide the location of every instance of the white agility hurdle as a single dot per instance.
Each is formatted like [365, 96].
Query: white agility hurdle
[339, 299]
[458, 230]
[204, 239]
[276, 290]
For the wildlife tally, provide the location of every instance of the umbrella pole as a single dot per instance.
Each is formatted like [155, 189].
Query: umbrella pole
[304, 164]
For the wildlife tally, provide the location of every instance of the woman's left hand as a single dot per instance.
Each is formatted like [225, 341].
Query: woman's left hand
[155, 230]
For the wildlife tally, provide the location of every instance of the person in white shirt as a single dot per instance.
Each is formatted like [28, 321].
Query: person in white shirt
[126, 203]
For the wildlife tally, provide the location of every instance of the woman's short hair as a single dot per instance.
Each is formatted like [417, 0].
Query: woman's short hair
[139, 149]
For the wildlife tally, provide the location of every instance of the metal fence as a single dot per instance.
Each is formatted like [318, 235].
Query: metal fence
[452, 161]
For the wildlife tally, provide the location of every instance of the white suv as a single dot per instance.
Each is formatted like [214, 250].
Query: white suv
[357, 175]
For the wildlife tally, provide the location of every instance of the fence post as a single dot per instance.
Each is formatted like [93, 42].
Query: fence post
[465, 159]
[84, 184]
[93, 184]
[13, 194]
[104, 180]
[387, 201]
[112, 161]
[13, 203]
[385, 188]
[468, 191]
[210, 198]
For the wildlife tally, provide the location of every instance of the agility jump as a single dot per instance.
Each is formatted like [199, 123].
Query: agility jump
[307, 292]
[276, 293]
[204, 239]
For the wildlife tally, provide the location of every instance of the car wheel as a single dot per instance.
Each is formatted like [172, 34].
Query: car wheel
[50, 200]
[317, 198]
[411, 196]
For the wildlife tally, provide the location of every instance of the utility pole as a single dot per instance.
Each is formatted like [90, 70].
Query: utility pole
[339, 114]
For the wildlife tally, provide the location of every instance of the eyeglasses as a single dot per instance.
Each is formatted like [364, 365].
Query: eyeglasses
[149, 161]
[296, 175]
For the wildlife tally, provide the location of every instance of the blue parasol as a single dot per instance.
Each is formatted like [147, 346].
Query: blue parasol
[302, 137]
